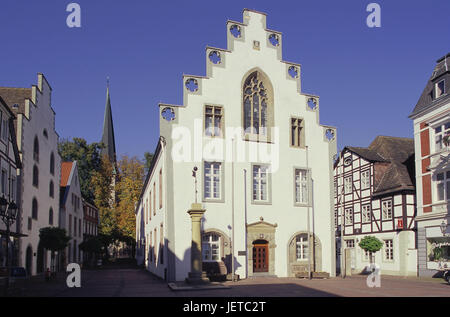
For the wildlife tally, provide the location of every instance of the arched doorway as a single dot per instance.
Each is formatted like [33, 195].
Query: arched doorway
[40, 262]
[261, 256]
[29, 260]
[300, 250]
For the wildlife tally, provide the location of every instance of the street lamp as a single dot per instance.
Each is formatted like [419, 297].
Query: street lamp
[8, 214]
[444, 229]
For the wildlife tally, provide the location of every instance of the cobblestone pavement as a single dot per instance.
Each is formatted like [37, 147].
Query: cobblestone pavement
[134, 282]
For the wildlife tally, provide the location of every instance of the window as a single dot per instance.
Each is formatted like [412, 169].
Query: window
[367, 255]
[36, 149]
[52, 164]
[388, 250]
[150, 250]
[213, 121]
[35, 176]
[297, 132]
[34, 209]
[154, 200]
[386, 207]
[45, 133]
[51, 190]
[212, 180]
[260, 183]
[74, 226]
[441, 134]
[365, 179]
[256, 105]
[211, 247]
[160, 189]
[50, 216]
[79, 227]
[366, 214]
[70, 225]
[154, 246]
[149, 207]
[350, 243]
[4, 180]
[30, 223]
[301, 186]
[348, 185]
[439, 89]
[301, 243]
[5, 130]
[443, 186]
[335, 189]
[349, 216]
[13, 189]
[161, 245]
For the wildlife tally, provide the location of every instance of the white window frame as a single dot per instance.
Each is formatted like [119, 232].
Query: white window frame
[301, 193]
[365, 179]
[442, 182]
[257, 183]
[215, 129]
[208, 245]
[301, 247]
[439, 133]
[387, 209]
[348, 185]
[350, 243]
[348, 216]
[366, 213]
[389, 250]
[436, 87]
[212, 181]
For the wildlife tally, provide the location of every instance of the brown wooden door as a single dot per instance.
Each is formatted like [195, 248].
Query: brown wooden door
[261, 258]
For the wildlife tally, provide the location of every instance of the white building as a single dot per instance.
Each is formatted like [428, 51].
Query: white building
[37, 142]
[247, 87]
[431, 138]
[375, 196]
[9, 165]
[71, 213]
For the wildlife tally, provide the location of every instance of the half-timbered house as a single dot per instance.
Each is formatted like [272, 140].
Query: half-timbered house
[375, 196]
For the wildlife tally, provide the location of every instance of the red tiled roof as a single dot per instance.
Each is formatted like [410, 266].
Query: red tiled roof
[66, 168]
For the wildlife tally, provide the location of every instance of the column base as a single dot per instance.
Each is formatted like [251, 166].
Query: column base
[195, 278]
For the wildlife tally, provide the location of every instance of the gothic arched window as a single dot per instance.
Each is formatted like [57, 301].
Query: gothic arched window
[34, 209]
[36, 149]
[257, 105]
[51, 190]
[52, 164]
[35, 176]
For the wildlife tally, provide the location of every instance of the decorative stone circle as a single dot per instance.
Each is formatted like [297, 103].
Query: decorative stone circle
[235, 30]
[168, 114]
[329, 134]
[191, 84]
[312, 103]
[214, 57]
[274, 39]
[293, 72]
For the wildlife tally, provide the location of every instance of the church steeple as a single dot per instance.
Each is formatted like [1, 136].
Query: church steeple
[108, 130]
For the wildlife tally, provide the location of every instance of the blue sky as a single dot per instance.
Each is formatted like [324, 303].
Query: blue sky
[369, 80]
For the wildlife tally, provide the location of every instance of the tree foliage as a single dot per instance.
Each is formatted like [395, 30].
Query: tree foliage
[102, 184]
[371, 244]
[53, 238]
[128, 188]
[92, 244]
[88, 158]
[148, 157]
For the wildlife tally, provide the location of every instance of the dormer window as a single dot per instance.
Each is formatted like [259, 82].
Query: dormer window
[439, 89]
[441, 136]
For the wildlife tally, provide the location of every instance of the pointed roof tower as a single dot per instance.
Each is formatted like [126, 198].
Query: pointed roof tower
[108, 130]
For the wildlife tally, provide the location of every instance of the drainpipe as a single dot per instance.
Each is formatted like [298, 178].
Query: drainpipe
[232, 209]
[307, 221]
[245, 218]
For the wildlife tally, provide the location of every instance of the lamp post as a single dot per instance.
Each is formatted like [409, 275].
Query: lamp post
[8, 213]
[444, 229]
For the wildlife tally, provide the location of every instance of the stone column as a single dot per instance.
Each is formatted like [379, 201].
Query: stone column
[196, 276]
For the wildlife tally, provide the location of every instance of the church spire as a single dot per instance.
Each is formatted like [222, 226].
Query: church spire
[108, 129]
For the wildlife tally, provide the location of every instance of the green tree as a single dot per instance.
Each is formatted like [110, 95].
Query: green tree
[53, 239]
[372, 245]
[148, 157]
[129, 187]
[88, 158]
